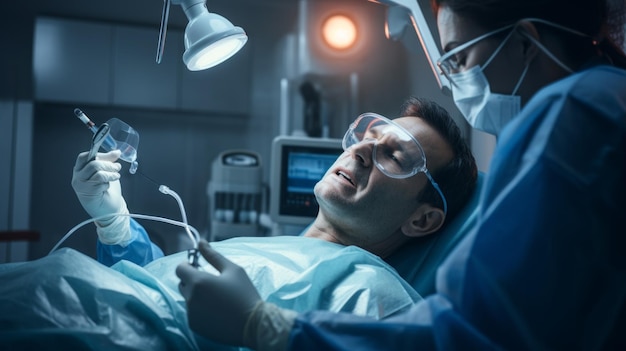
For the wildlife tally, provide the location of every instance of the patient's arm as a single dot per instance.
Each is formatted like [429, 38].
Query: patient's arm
[140, 250]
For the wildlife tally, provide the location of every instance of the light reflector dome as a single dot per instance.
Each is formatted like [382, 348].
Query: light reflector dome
[210, 39]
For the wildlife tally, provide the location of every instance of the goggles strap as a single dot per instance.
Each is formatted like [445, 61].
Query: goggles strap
[436, 186]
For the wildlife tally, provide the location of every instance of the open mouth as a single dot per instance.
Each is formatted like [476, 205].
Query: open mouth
[342, 174]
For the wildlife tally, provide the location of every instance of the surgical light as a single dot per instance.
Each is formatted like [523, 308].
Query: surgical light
[210, 39]
[339, 32]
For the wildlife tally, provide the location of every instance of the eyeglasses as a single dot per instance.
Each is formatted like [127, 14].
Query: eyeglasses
[396, 152]
[449, 62]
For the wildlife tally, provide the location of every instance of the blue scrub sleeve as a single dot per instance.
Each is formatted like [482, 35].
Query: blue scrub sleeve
[430, 325]
[140, 250]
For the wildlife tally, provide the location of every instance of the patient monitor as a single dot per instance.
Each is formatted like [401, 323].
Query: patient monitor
[296, 166]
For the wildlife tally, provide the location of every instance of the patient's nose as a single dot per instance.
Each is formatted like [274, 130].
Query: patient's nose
[362, 152]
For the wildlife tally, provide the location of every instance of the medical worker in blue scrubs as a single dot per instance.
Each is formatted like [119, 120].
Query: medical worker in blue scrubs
[545, 267]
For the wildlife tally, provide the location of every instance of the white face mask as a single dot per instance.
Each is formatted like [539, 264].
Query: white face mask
[472, 95]
[481, 108]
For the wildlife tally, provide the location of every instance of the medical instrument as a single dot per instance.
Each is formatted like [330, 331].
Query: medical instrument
[83, 117]
[298, 163]
[121, 137]
[194, 253]
[101, 134]
[396, 152]
[194, 235]
[117, 135]
[235, 192]
[109, 142]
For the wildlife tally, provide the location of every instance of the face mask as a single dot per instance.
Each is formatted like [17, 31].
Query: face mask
[472, 95]
[481, 108]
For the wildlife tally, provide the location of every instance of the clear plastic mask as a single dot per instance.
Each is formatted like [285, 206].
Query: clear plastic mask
[124, 138]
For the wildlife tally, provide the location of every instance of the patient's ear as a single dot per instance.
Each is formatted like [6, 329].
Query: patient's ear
[426, 219]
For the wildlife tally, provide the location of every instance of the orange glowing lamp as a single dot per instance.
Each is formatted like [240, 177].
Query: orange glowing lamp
[339, 32]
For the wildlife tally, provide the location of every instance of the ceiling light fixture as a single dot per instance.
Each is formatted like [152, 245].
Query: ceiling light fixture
[210, 39]
[339, 32]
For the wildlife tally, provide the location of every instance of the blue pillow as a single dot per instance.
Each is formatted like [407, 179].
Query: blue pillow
[418, 261]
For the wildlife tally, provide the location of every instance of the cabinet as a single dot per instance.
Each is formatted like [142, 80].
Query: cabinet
[111, 64]
[138, 80]
[72, 61]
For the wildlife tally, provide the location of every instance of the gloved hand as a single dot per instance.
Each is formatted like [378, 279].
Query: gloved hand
[218, 306]
[227, 308]
[98, 189]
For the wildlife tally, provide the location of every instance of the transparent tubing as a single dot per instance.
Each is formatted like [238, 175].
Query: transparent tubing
[133, 215]
[165, 190]
[195, 236]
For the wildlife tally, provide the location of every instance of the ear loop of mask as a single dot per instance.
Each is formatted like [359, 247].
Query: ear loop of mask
[466, 45]
[539, 44]
[547, 52]
[497, 51]
[543, 48]
[521, 79]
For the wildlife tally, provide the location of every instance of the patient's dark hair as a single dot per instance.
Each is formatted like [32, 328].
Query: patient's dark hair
[457, 179]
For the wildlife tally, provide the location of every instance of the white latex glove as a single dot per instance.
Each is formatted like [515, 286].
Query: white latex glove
[98, 189]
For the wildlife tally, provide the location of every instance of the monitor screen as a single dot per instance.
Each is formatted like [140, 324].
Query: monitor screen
[298, 163]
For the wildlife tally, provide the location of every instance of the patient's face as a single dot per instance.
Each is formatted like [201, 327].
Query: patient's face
[367, 206]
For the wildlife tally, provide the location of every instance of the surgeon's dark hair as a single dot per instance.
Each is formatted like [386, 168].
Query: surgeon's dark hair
[603, 20]
[457, 179]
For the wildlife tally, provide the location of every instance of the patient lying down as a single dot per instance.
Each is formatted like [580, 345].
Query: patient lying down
[367, 211]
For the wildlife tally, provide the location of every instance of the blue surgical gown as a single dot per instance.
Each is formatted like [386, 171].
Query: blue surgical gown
[545, 267]
[141, 250]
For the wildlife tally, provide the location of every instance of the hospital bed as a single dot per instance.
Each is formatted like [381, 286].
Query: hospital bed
[79, 304]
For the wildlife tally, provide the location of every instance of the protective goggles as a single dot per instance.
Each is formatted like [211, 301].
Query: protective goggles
[449, 62]
[396, 152]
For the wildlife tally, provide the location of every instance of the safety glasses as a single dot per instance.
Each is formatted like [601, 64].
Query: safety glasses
[449, 63]
[396, 152]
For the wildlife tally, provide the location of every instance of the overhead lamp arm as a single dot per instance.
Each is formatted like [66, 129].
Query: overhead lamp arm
[414, 12]
[163, 30]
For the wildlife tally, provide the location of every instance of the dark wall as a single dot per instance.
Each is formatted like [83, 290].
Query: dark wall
[17, 24]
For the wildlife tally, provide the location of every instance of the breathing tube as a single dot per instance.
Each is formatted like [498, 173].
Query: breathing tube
[192, 232]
